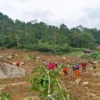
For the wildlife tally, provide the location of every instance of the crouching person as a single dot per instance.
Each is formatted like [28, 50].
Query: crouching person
[17, 64]
[64, 71]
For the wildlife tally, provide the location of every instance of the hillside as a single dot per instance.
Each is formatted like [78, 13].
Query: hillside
[85, 88]
[41, 37]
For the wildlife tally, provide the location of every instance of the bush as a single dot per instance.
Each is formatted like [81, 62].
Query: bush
[98, 48]
[29, 47]
[63, 49]
[85, 56]
[4, 96]
[66, 48]
[95, 55]
[79, 49]
[44, 47]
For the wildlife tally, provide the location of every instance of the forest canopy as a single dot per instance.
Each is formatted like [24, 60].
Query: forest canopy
[39, 36]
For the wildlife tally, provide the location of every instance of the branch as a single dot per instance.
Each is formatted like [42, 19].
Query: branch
[48, 80]
[64, 89]
[60, 88]
[49, 84]
[63, 85]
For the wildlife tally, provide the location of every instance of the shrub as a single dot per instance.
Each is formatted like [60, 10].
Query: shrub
[29, 47]
[63, 49]
[44, 47]
[95, 55]
[49, 84]
[66, 48]
[85, 56]
[4, 96]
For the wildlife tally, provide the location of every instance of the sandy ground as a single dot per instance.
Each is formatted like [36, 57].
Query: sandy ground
[19, 87]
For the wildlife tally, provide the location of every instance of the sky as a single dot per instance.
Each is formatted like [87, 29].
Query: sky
[54, 12]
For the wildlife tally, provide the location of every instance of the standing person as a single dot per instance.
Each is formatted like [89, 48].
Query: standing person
[77, 66]
[51, 66]
[84, 65]
[74, 67]
[77, 71]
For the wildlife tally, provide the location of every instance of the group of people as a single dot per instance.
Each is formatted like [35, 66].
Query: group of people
[76, 67]
[65, 69]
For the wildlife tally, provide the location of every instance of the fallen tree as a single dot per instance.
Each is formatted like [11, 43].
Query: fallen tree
[48, 84]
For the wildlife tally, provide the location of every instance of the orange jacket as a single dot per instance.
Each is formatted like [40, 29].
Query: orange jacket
[65, 69]
[17, 63]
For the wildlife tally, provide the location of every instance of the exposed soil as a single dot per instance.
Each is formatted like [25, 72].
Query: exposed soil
[19, 87]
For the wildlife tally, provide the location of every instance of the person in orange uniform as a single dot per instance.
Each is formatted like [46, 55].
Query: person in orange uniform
[17, 64]
[77, 71]
[65, 71]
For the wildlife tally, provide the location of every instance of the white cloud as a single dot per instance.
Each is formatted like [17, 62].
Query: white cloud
[55, 12]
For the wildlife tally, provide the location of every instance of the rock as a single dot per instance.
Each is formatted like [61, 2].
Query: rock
[85, 83]
[64, 57]
[22, 63]
[1, 57]
[96, 74]
[16, 55]
[14, 63]
[8, 70]
[38, 57]
[95, 62]
[10, 57]
[68, 65]
[92, 95]
[87, 88]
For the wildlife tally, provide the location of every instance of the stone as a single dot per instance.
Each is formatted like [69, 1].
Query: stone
[22, 63]
[85, 83]
[8, 70]
[10, 57]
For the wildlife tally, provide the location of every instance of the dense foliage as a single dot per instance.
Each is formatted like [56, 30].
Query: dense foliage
[48, 84]
[42, 37]
[95, 55]
[4, 96]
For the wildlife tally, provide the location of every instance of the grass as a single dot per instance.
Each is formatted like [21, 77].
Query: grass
[75, 53]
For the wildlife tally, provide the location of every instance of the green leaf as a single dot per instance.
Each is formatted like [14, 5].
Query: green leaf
[30, 98]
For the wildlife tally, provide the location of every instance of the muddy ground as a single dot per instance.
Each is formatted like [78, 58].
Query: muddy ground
[19, 87]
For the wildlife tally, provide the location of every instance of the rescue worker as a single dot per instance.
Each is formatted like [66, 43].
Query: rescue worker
[17, 63]
[77, 71]
[84, 65]
[64, 71]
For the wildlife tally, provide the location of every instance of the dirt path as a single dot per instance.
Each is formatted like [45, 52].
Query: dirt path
[14, 84]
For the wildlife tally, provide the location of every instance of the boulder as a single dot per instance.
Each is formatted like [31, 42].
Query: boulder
[8, 70]
[10, 57]
[85, 83]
